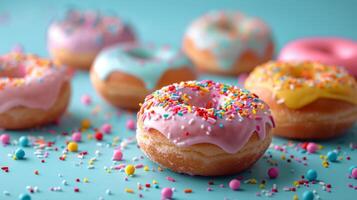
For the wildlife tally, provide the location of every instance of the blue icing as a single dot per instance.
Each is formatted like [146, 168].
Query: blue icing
[227, 52]
[214, 32]
[145, 63]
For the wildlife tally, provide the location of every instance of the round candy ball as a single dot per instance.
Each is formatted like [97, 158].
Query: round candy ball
[234, 184]
[130, 124]
[117, 155]
[311, 175]
[308, 195]
[72, 147]
[77, 136]
[98, 136]
[85, 124]
[106, 128]
[129, 169]
[166, 193]
[24, 141]
[332, 156]
[86, 100]
[354, 173]
[311, 147]
[273, 172]
[20, 154]
[24, 197]
[5, 138]
[351, 169]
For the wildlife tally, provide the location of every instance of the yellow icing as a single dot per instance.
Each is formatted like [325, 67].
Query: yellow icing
[299, 84]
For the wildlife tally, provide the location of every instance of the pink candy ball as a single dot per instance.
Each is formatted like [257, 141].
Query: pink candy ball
[273, 172]
[354, 173]
[311, 147]
[86, 99]
[77, 136]
[117, 155]
[5, 138]
[106, 128]
[166, 193]
[130, 124]
[234, 184]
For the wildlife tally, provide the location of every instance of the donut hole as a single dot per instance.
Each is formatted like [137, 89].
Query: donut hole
[139, 53]
[323, 49]
[301, 73]
[224, 26]
[204, 100]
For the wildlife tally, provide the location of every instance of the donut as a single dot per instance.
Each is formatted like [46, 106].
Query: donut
[204, 128]
[326, 50]
[124, 74]
[77, 39]
[309, 100]
[228, 43]
[33, 91]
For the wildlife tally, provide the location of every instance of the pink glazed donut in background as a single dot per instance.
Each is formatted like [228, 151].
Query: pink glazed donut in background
[76, 39]
[328, 50]
[34, 91]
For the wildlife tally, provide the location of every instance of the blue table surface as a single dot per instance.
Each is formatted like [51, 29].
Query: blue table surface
[163, 22]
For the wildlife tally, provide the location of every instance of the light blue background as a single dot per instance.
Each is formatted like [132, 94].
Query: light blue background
[163, 22]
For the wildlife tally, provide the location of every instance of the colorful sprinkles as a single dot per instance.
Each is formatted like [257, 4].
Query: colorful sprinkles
[298, 172]
[18, 69]
[80, 21]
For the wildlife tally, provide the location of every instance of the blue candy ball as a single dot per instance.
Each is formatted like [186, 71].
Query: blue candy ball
[24, 141]
[351, 169]
[24, 197]
[311, 175]
[332, 156]
[19, 154]
[308, 195]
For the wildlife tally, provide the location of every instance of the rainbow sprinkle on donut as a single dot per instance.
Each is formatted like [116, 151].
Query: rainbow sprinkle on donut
[17, 69]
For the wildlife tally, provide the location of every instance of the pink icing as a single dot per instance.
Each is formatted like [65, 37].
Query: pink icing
[29, 81]
[88, 32]
[331, 51]
[230, 132]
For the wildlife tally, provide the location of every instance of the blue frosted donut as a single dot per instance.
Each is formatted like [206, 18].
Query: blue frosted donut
[228, 42]
[146, 64]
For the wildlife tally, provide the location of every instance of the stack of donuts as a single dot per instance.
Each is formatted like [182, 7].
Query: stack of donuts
[190, 126]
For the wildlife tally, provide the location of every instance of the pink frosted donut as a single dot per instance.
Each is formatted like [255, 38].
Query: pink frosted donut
[33, 91]
[198, 127]
[77, 39]
[330, 51]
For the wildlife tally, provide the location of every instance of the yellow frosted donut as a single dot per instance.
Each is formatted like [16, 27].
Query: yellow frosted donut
[309, 100]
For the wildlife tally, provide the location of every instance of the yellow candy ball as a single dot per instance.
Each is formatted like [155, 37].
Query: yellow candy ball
[72, 147]
[85, 123]
[146, 168]
[130, 169]
[295, 197]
